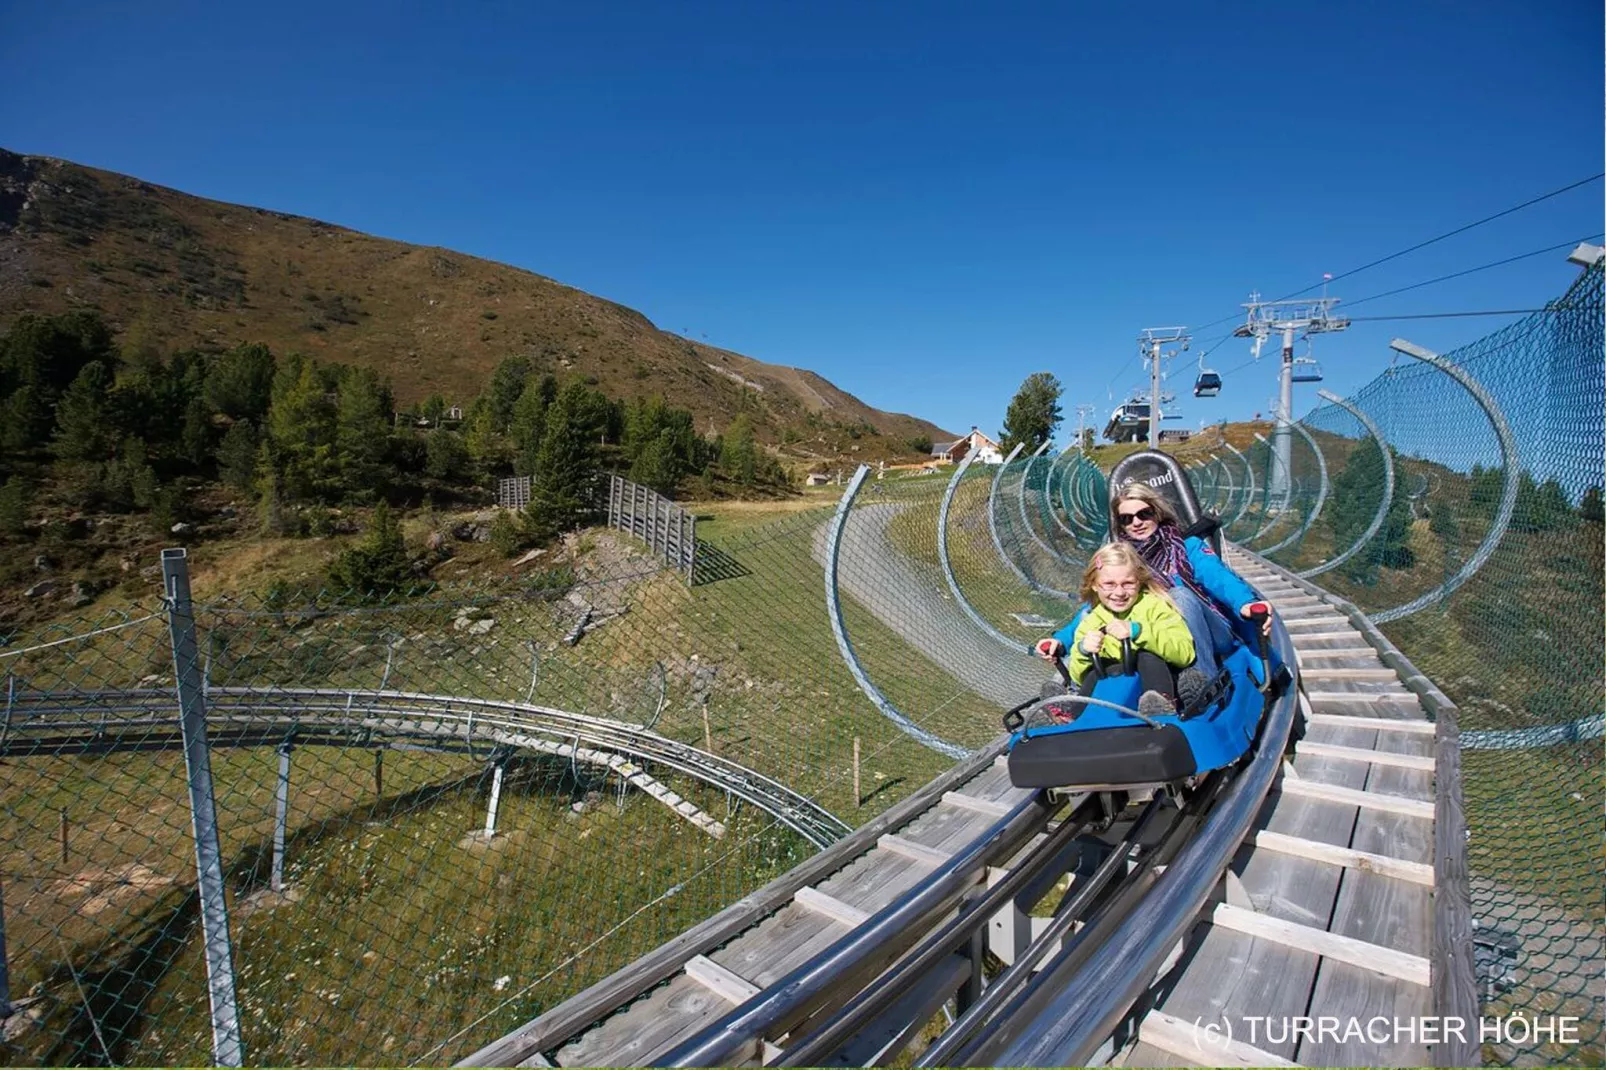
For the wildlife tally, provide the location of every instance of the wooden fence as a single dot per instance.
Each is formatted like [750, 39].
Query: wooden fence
[656, 521]
[636, 510]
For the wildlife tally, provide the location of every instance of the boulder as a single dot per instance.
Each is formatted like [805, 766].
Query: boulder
[40, 589]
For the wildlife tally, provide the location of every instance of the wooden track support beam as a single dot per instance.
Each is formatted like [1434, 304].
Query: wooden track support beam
[1346, 949]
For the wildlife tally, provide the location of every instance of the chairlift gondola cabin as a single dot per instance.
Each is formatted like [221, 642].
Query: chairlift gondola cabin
[1208, 385]
[1306, 370]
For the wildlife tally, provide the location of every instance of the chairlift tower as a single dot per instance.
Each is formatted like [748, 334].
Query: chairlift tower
[1304, 317]
[1152, 343]
[1082, 412]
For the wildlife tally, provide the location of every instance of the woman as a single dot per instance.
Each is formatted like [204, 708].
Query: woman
[1200, 583]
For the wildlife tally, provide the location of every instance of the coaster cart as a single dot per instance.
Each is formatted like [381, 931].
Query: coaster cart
[1103, 743]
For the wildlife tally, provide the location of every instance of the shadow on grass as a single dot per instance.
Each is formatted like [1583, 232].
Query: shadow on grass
[106, 995]
[714, 564]
[885, 785]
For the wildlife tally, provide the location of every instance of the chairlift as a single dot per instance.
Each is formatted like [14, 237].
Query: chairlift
[1208, 385]
[1306, 370]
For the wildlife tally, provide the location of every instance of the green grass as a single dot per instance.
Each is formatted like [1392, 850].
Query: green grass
[399, 929]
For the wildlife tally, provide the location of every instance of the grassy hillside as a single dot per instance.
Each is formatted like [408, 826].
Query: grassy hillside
[170, 270]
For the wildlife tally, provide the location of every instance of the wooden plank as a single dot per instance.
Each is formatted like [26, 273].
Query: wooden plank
[1374, 957]
[1315, 617]
[1396, 804]
[1385, 912]
[784, 941]
[1170, 1033]
[1392, 698]
[1357, 754]
[1347, 857]
[722, 982]
[874, 880]
[1308, 611]
[919, 852]
[980, 806]
[633, 1036]
[1382, 724]
[818, 902]
[1337, 652]
[1346, 672]
[1231, 975]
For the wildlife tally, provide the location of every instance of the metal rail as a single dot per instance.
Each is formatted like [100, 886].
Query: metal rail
[1388, 487]
[1081, 1015]
[83, 721]
[857, 957]
[998, 543]
[844, 645]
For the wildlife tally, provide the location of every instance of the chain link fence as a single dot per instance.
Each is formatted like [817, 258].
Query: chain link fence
[1463, 514]
[435, 816]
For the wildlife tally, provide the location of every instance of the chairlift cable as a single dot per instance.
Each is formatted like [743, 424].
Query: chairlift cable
[1471, 270]
[1424, 244]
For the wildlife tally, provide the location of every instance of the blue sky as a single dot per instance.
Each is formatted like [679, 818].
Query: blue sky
[923, 203]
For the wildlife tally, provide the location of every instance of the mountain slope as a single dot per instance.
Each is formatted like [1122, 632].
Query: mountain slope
[170, 270]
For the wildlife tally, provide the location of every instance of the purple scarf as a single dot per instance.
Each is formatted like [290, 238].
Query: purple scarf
[1166, 554]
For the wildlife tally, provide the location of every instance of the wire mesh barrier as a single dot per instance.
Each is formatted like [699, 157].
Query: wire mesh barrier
[1464, 516]
[286, 826]
[435, 816]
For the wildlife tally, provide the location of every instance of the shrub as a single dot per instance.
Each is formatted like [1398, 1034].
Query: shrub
[509, 533]
[376, 566]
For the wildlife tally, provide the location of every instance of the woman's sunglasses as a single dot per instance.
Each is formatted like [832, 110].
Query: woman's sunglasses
[1128, 519]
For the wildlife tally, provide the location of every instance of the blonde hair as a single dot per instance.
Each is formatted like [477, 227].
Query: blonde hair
[1142, 492]
[1119, 554]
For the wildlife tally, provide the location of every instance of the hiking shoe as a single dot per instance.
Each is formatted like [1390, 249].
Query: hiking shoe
[1063, 712]
[1154, 704]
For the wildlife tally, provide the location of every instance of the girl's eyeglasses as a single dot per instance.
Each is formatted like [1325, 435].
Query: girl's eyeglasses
[1128, 519]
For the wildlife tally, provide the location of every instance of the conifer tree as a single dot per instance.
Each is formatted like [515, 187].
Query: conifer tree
[237, 456]
[1033, 413]
[565, 467]
[85, 430]
[362, 433]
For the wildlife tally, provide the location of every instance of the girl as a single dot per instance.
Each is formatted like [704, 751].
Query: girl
[1127, 603]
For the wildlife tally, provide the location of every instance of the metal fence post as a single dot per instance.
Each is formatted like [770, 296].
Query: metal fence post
[226, 1046]
[281, 814]
[5, 972]
[499, 766]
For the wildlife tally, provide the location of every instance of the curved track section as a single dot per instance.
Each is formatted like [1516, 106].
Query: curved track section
[92, 722]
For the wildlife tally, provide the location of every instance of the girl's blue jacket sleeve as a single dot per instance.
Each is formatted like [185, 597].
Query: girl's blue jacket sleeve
[1067, 634]
[1224, 585]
